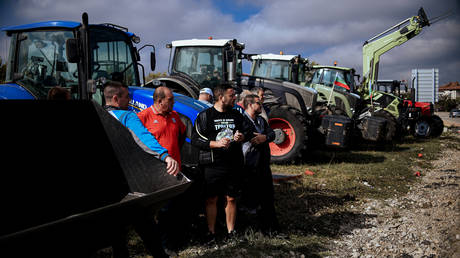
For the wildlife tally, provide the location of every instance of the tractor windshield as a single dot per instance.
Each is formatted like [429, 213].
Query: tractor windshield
[273, 69]
[203, 64]
[42, 63]
[341, 80]
[112, 56]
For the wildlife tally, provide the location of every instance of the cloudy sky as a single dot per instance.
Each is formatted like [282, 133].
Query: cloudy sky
[324, 31]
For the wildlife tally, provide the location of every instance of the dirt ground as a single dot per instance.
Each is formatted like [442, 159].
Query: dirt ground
[423, 223]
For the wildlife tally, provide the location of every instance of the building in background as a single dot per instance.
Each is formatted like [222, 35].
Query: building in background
[452, 89]
[426, 84]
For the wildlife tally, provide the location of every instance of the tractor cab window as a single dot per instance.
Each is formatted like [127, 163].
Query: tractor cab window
[330, 76]
[42, 63]
[111, 56]
[315, 79]
[273, 69]
[203, 64]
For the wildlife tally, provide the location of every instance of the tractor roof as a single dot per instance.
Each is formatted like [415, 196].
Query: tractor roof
[333, 67]
[47, 24]
[274, 57]
[55, 25]
[203, 43]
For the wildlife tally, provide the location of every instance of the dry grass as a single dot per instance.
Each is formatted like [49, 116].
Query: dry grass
[313, 209]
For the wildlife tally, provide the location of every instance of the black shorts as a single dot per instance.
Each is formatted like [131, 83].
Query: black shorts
[221, 181]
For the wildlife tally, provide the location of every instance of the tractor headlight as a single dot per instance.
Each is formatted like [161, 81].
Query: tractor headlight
[136, 39]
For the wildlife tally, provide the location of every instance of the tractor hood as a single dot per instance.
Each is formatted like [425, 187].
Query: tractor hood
[278, 91]
[14, 91]
[142, 98]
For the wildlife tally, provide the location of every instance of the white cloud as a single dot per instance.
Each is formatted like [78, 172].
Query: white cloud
[322, 30]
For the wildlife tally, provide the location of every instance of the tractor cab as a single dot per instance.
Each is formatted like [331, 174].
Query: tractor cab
[290, 68]
[208, 62]
[336, 86]
[45, 55]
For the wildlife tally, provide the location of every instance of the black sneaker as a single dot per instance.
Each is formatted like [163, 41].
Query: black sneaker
[210, 239]
[232, 237]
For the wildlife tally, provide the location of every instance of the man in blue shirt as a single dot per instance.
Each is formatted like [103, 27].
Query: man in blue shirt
[117, 101]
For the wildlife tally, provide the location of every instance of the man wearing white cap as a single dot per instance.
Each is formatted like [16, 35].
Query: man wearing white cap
[206, 96]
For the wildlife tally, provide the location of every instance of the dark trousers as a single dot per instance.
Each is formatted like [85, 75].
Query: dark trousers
[176, 217]
[147, 229]
[266, 198]
[258, 191]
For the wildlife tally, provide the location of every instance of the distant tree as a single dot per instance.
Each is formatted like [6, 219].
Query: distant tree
[152, 76]
[445, 103]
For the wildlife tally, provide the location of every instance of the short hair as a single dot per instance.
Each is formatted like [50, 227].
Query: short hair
[249, 99]
[243, 94]
[220, 90]
[160, 93]
[58, 93]
[256, 89]
[112, 88]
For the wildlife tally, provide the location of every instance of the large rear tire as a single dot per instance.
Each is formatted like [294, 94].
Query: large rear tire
[291, 134]
[393, 129]
[437, 126]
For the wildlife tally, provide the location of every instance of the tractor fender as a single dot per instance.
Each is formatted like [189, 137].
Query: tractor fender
[285, 93]
[179, 84]
[14, 91]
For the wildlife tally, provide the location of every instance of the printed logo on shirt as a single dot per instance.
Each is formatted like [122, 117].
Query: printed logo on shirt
[173, 119]
[224, 123]
[155, 122]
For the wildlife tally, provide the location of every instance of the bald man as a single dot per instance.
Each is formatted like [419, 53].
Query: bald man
[164, 123]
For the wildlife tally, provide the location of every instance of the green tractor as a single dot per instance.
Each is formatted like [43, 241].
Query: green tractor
[389, 105]
[298, 70]
[338, 92]
[336, 100]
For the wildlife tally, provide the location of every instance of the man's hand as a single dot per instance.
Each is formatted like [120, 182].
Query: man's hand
[238, 136]
[172, 167]
[258, 139]
[223, 143]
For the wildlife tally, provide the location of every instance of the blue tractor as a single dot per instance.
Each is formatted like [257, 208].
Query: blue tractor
[73, 176]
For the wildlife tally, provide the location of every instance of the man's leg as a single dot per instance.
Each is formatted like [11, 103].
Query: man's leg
[230, 213]
[211, 213]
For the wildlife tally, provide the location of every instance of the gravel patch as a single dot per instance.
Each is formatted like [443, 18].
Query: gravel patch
[423, 223]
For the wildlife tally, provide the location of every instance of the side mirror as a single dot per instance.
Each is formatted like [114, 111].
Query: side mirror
[153, 61]
[71, 50]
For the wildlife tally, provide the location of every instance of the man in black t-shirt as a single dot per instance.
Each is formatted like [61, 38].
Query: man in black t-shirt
[218, 133]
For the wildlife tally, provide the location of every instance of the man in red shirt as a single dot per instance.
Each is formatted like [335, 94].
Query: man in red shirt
[164, 123]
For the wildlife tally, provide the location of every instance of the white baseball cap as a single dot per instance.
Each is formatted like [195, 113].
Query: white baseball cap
[207, 91]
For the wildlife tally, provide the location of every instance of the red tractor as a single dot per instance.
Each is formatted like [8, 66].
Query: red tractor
[418, 117]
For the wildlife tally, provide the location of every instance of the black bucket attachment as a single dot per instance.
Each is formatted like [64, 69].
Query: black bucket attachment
[68, 168]
[373, 128]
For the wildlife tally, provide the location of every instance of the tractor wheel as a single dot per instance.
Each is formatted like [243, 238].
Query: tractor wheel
[437, 126]
[393, 129]
[291, 134]
[422, 128]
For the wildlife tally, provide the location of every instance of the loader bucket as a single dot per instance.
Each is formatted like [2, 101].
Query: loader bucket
[68, 167]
